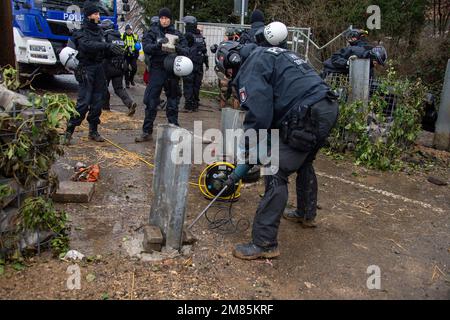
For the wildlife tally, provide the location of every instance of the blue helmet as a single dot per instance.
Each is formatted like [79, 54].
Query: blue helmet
[138, 46]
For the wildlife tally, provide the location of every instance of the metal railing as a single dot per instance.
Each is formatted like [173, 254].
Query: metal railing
[214, 33]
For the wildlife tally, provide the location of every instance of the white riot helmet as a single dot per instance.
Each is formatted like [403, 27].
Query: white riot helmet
[275, 33]
[182, 66]
[68, 58]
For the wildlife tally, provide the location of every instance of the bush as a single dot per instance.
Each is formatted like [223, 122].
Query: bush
[377, 135]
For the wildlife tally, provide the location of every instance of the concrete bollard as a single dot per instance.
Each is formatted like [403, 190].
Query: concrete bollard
[170, 186]
[442, 133]
[231, 119]
[360, 80]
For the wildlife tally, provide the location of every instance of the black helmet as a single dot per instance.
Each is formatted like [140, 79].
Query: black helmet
[227, 56]
[107, 24]
[354, 35]
[233, 33]
[239, 31]
[190, 22]
[379, 54]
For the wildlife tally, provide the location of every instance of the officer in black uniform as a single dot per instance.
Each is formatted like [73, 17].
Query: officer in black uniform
[154, 24]
[198, 55]
[114, 69]
[257, 22]
[153, 43]
[357, 48]
[92, 48]
[279, 90]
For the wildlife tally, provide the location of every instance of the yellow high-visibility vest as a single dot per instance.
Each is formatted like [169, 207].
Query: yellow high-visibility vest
[130, 41]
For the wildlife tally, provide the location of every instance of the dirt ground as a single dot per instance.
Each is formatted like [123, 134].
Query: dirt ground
[397, 221]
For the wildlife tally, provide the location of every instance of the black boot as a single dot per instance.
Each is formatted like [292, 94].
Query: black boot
[132, 109]
[298, 217]
[68, 135]
[143, 137]
[250, 251]
[94, 135]
[195, 107]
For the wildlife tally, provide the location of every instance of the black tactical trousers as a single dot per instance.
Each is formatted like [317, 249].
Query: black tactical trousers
[191, 87]
[119, 90]
[160, 79]
[91, 93]
[131, 63]
[271, 207]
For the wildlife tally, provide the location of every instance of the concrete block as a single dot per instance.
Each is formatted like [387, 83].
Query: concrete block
[74, 192]
[188, 237]
[153, 239]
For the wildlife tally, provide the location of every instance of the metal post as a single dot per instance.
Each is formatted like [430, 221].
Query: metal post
[170, 187]
[359, 80]
[231, 119]
[181, 10]
[7, 55]
[242, 12]
[442, 134]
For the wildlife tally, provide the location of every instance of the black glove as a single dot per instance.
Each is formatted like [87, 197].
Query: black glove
[214, 48]
[180, 50]
[190, 39]
[162, 41]
[116, 49]
[230, 182]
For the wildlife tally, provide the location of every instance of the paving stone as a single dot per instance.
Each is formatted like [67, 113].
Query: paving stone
[74, 192]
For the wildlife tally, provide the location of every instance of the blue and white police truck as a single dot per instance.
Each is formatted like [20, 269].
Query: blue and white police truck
[42, 28]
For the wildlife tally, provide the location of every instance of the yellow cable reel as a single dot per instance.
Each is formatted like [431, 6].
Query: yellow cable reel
[210, 184]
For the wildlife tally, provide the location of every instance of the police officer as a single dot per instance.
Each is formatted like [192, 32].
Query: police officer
[357, 48]
[279, 90]
[132, 48]
[233, 34]
[156, 45]
[154, 25]
[198, 55]
[113, 66]
[92, 47]
[257, 22]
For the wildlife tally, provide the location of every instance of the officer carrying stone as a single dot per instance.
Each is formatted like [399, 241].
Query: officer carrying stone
[113, 66]
[279, 90]
[92, 47]
[198, 55]
[156, 45]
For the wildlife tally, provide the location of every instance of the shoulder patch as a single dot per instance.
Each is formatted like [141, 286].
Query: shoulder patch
[296, 59]
[242, 95]
[275, 50]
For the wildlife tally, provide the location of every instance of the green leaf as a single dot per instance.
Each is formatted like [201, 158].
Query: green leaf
[18, 266]
[105, 296]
